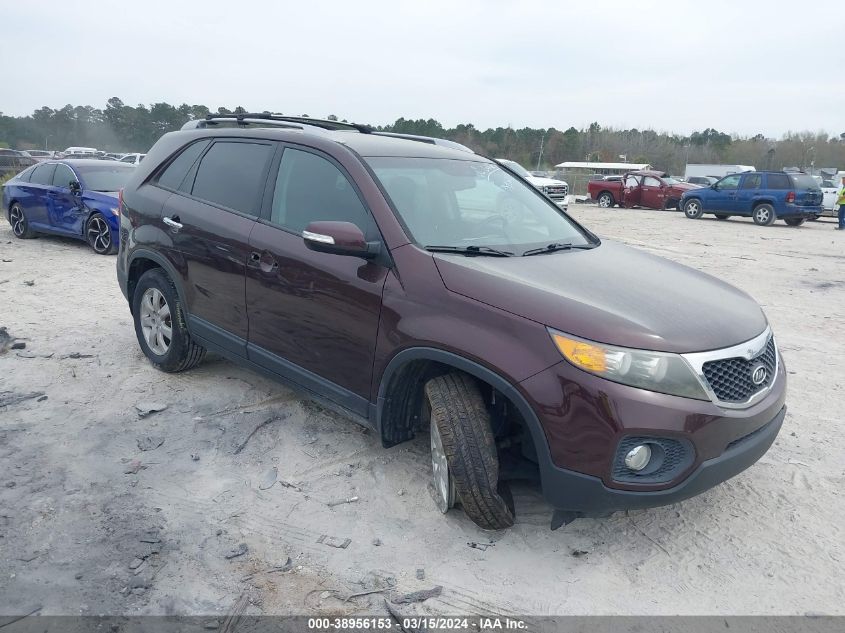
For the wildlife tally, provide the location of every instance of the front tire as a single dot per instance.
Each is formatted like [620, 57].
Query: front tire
[99, 236]
[463, 428]
[605, 200]
[693, 209]
[160, 324]
[763, 214]
[795, 221]
[20, 225]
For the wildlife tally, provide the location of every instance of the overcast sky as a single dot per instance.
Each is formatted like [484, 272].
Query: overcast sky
[742, 67]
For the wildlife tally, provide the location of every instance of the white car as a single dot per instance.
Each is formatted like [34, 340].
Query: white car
[132, 159]
[830, 190]
[557, 190]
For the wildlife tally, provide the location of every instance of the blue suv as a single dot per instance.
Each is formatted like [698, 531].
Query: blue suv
[764, 195]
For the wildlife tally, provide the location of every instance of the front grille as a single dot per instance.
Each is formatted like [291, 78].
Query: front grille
[731, 378]
[669, 459]
[557, 191]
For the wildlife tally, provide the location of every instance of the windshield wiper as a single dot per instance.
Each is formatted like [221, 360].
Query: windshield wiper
[469, 250]
[556, 246]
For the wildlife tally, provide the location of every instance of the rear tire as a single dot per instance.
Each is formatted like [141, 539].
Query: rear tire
[605, 200]
[463, 426]
[160, 324]
[794, 221]
[763, 214]
[20, 223]
[693, 209]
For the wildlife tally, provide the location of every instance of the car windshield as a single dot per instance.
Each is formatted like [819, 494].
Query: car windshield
[462, 203]
[515, 167]
[108, 176]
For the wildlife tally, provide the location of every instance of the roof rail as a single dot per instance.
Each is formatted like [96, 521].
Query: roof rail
[244, 118]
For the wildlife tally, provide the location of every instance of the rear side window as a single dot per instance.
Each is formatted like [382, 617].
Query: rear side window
[779, 181]
[174, 175]
[232, 174]
[310, 188]
[650, 181]
[752, 181]
[43, 175]
[25, 175]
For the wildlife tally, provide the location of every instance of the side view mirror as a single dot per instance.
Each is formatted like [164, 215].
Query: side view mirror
[715, 186]
[75, 187]
[339, 238]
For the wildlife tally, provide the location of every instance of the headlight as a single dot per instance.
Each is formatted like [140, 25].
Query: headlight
[655, 371]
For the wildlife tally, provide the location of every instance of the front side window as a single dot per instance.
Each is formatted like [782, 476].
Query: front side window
[464, 203]
[730, 182]
[43, 175]
[311, 188]
[752, 181]
[63, 176]
[106, 175]
[232, 174]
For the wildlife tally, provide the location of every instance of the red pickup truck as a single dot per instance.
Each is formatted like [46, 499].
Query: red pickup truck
[651, 189]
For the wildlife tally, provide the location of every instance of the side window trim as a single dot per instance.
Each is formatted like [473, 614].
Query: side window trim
[270, 190]
[192, 174]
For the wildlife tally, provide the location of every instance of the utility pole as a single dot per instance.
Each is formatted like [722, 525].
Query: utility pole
[540, 157]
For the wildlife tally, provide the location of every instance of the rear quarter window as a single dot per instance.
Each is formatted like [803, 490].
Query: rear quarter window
[174, 174]
[803, 181]
[778, 181]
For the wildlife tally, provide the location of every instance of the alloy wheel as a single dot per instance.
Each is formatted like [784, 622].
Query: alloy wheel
[99, 236]
[18, 221]
[442, 479]
[604, 202]
[156, 321]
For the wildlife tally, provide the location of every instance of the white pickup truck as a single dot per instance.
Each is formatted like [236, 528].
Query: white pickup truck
[557, 190]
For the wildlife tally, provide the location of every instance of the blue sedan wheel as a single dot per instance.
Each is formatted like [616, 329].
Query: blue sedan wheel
[99, 237]
[20, 225]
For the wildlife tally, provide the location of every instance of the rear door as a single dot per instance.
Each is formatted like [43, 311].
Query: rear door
[313, 317]
[748, 192]
[653, 193]
[63, 207]
[38, 188]
[208, 220]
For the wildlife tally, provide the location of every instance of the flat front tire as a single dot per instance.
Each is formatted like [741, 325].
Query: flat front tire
[464, 433]
[693, 209]
[160, 324]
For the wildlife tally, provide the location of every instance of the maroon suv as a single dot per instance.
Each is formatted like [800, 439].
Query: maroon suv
[421, 288]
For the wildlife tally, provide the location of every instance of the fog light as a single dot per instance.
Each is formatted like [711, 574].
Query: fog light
[638, 457]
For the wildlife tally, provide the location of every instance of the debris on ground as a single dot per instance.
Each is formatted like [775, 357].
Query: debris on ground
[148, 407]
[150, 442]
[134, 467]
[482, 546]
[5, 339]
[420, 574]
[195, 457]
[230, 624]
[31, 355]
[334, 541]
[269, 479]
[243, 444]
[8, 398]
[340, 502]
[29, 282]
[136, 563]
[75, 355]
[578, 553]
[376, 542]
[240, 550]
[417, 596]
[151, 536]
[281, 569]
[288, 484]
[18, 345]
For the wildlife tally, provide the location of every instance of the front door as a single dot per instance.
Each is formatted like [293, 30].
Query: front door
[723, 196]
[653, 193]
[313, 317]
[209, 220]
[66, 214]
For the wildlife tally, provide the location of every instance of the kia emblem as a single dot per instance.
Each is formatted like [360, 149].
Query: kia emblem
[759, 374]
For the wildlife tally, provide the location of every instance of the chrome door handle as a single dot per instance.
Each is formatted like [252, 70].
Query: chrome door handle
[172, 223]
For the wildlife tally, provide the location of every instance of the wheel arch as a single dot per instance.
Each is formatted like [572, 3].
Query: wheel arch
[143, 260]
[396, 414]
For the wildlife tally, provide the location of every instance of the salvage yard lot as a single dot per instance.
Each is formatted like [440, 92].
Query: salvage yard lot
[92, 523]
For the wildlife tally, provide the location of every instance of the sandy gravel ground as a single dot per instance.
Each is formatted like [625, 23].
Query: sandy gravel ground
[192, 531]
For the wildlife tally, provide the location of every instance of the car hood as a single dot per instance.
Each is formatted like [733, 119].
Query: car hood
[686, 186]
[540, 181]
[612, 294]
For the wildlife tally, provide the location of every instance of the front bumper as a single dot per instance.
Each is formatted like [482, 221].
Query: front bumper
[584, 419]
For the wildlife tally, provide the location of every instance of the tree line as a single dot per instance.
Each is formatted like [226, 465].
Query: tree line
[121, 127]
